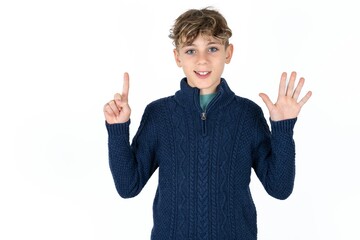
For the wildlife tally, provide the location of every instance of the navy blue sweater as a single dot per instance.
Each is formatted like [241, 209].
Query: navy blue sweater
[205, 159]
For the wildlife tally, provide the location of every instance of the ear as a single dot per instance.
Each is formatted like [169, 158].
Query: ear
[177, 57]
[229, 52]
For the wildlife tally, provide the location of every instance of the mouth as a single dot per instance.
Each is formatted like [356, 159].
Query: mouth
[202, 74]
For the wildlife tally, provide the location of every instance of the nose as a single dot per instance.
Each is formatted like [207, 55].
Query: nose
[202, 58]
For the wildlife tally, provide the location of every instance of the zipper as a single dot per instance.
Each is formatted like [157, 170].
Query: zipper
[203, 115]
[203, 123]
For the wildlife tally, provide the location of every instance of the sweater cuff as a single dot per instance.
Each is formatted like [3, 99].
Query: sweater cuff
[283, 125]
[118, 128]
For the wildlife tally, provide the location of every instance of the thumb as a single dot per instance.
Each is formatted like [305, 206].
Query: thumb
[266, 100]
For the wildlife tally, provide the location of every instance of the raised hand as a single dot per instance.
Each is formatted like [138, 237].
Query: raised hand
[287, 105]
[118, 109]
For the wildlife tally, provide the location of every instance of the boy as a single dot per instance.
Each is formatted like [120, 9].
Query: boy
[205, 140]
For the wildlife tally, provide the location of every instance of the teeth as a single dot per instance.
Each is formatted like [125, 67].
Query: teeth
[202, 73]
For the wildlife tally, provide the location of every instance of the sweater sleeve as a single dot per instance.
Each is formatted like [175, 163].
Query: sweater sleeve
[274, 156]
[132, 165]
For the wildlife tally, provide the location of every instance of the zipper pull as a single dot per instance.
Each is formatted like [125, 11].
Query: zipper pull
[203, 116]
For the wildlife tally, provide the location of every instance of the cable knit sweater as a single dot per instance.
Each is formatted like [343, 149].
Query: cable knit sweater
[204, 160]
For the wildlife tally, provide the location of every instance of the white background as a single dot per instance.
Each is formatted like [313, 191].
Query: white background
[61, 61]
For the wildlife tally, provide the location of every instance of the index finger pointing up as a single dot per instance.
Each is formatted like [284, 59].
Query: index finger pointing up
[125, 91]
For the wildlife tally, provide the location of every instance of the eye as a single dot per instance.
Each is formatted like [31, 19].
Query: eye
[213, 49]
[190, 52]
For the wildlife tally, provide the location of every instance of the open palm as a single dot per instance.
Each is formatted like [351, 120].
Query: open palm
[287, 105]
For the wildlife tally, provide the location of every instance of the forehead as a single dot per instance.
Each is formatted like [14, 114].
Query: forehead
[200, 39]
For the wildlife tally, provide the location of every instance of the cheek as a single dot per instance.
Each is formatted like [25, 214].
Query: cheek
[220, 61]
[186, 62]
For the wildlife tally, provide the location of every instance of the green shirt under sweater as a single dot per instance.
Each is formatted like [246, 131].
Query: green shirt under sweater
[205, 99]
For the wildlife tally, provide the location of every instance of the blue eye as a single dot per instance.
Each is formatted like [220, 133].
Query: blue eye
[213, 49]
[190, 52]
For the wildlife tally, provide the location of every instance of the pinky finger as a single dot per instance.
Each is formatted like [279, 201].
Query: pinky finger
[305, 98]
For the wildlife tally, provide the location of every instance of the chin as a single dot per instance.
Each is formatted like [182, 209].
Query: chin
[203, 86]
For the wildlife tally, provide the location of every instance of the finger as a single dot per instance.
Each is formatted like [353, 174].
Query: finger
[305, 98]
[282, 85]
[114, 107]
[118, 102]
[117, 96]
[298, 88]
[291, 84]
[125, 91]
[108, 111]
[267, 101]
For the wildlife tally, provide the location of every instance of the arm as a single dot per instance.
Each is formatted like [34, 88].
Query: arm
[131, 166]
[274, 155]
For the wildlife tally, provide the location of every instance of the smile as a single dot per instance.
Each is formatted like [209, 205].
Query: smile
[202, 73]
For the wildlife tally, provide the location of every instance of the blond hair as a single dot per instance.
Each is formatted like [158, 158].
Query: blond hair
[206, 22]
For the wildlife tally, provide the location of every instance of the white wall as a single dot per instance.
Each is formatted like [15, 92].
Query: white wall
[61, 61]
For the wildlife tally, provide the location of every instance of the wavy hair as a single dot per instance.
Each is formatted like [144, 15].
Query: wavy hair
[206, 22]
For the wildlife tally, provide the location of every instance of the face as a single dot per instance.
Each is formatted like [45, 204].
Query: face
[203, 62]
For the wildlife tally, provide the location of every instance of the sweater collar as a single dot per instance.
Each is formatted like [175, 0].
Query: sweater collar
[188, 96]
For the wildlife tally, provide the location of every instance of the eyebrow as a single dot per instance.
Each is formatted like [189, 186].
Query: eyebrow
[209, 43]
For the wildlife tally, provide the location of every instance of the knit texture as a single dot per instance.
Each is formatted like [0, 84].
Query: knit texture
[205, 162]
